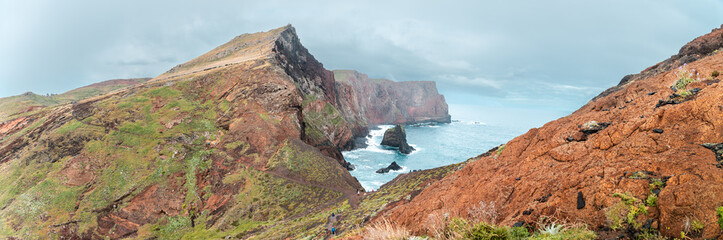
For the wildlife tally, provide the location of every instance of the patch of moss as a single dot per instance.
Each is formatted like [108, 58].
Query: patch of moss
[500, 149]
[198, 161]
[625, 211]
[719, 214]
[68, 127]
[163, 92]
[309, 165]
[174, 228]
[233, 179]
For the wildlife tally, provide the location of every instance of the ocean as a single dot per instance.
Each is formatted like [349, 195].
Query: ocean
[436, 145]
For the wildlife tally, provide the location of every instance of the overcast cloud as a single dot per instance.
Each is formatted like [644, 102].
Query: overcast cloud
[554, 54]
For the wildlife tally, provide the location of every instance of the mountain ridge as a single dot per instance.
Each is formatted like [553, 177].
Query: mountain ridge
[29, 101]
[242, 144]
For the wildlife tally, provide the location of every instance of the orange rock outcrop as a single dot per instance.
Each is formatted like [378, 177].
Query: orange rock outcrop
[647, 149]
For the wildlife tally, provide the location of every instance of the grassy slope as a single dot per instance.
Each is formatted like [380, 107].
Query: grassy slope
[130, 150]
[9, 106]
[125, 145]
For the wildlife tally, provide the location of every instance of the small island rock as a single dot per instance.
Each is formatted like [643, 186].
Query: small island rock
[394, 166]
[397, 137]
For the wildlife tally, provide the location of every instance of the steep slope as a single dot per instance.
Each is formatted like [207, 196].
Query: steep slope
[651, 161]
[12, 107]
[240, 142]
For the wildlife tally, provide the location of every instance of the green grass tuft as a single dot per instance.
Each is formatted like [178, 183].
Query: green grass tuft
[652, 200]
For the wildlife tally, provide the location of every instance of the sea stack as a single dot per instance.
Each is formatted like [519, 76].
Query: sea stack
[397, 137]
[394, 166]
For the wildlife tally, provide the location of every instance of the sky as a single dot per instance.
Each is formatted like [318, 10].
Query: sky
[545, 57]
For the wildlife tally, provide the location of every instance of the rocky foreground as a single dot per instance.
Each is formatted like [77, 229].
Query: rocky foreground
[241, 142]
[642, 157]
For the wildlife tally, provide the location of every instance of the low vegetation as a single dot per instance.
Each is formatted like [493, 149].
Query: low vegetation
[28, 103]
[385, 230]
[460, 228]
[685, 77]
[625, 212]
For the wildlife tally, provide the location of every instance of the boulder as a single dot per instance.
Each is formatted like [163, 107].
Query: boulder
[397, 137]
[394, 166]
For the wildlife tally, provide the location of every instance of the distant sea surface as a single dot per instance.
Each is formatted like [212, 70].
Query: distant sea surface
[436, 145]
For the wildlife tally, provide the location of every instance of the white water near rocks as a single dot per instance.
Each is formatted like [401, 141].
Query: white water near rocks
[436, 145]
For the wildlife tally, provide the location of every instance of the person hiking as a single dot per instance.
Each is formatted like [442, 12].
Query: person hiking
[330, 224]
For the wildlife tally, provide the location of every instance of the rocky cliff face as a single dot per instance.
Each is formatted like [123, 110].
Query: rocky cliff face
[242, 140]
[381, 101]
[647, 162]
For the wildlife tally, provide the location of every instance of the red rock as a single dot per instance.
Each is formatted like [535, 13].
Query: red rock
[601, 164]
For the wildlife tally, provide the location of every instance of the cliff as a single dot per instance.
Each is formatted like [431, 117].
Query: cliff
[381, 101]
[650, 161]
[243, 141]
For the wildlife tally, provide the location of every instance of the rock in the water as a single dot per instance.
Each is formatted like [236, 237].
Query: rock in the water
[580, 200]
[394, 166]
[397, 137]
[360, 142]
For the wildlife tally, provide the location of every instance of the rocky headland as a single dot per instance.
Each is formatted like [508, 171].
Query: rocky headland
[243, 141]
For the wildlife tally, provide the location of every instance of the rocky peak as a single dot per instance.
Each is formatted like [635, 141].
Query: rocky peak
[245, 47]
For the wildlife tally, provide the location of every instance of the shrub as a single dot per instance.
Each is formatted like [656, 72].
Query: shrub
[519, 233]
[483, 231]
[714, 74]
[443, 228]
[719, 213]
